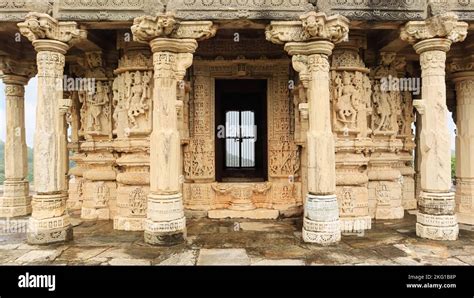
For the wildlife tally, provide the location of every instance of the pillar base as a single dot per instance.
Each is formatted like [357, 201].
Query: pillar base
[321, 223]
[355, 224]
[165, 233]
[16, 211]
[321, 237]
[436, 219]
[437, 233]
[165, 224]
[165, 239]
[60, 231]
[16, 200]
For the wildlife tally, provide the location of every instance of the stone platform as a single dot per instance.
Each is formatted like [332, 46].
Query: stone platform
[242, 242]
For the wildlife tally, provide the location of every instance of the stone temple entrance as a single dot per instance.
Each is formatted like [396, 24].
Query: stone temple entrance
[241, 143]
[266, 182]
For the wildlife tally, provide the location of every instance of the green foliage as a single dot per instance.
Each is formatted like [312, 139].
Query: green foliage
[2, 163]
[453, 167]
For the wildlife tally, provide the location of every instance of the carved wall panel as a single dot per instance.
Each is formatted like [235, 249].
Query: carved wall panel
[132, 92]
[100, 187]
[96, 111]
[132, 191]
[76, 182]
[95, 96]
[199, 154]
[385, 186]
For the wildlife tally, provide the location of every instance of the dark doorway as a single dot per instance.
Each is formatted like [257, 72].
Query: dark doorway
[241, 124]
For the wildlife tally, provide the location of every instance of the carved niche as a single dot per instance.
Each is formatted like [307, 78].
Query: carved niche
[132, 93]
[94, 96]
[386, 101]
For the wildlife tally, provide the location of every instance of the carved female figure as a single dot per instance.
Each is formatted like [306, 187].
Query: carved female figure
[138, 98]
[382, 106]
[347, 95]
[97, 104]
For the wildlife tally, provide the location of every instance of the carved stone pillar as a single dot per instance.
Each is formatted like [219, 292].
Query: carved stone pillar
[463, 76]
[132, 116]
[432, 38]
[49, 222]
[173, 44]
[310, 42]
[16, 200]
[350, 106]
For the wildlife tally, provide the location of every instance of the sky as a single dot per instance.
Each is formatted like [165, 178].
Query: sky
[30, 108]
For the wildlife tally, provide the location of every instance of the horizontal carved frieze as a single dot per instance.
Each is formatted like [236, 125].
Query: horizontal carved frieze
[127, 10]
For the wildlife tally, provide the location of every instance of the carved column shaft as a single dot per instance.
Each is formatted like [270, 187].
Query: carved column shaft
[16, 200]
[320, 136]
[432, 39]
[50, 222]
[310, 42]
[173, 44]
[51, 61]
[166, 223]
[49, 204]
[435, 137]
[465, 147]
[321, 221]
[435, 218]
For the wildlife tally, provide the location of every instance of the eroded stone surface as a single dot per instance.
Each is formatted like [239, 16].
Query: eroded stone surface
[223, 257]
[266, 242]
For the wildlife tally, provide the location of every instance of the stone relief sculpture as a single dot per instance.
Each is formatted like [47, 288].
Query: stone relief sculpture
[351, 106]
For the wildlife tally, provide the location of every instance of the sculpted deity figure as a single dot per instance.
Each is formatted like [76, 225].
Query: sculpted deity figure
[382, 108]
[97, 105]
[139, 96]
[346, 97]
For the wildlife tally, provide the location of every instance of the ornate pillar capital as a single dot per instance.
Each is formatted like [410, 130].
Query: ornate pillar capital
[444, 26]
[461, 68]
[15, 71]
[147, 28]
[311, 26]
[41, 26]
[322, 47]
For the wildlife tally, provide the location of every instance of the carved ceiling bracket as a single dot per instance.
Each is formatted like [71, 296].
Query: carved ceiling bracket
[42, 26]
[166, 25]
[440, 26]
[311, 26]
